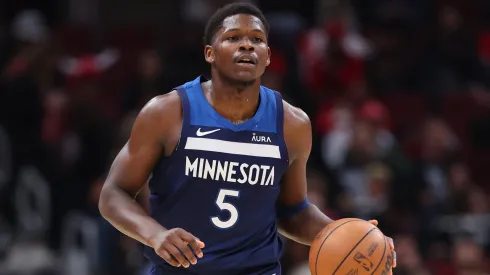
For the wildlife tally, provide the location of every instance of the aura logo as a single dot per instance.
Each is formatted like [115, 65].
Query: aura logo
[263, 139]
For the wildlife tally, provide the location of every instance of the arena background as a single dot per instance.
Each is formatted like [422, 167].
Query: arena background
[397, 92]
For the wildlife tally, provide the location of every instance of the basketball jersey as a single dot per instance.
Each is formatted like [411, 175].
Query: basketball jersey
[221, 184]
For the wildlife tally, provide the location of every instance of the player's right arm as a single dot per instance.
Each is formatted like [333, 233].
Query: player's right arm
[155, 132]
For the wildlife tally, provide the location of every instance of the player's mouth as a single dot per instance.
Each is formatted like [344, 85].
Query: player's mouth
[246, 60]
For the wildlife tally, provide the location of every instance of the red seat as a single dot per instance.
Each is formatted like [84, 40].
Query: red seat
[484, 45]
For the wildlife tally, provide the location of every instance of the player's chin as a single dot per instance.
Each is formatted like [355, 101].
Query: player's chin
[245, 76]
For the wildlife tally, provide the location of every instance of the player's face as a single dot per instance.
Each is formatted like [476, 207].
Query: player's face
[239, 50]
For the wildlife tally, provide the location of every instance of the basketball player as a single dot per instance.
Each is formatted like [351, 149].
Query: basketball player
[226, 158]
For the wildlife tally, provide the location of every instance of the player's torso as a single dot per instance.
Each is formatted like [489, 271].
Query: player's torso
[222, 181]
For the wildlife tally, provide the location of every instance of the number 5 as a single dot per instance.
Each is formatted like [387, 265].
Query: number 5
[220, 201]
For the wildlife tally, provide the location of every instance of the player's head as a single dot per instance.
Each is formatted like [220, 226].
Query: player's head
[236, 42]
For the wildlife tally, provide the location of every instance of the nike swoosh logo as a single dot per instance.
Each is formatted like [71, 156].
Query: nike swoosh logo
[201, 134]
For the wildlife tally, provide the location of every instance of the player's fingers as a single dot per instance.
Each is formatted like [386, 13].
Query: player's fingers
[200, 243]
[392, 244]
[193, 242]
[174, 251]
[167, 257]
[195, 245]
[374, 222]
[394, 259]
[186, 250]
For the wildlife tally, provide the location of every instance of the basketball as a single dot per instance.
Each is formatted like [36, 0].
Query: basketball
[350, 247]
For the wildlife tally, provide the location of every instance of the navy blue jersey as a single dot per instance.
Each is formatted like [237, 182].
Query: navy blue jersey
[221, 184]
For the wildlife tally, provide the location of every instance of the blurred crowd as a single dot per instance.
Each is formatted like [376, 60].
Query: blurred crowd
[397, 91]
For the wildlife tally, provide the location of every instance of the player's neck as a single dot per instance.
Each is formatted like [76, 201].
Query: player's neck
[237, 102]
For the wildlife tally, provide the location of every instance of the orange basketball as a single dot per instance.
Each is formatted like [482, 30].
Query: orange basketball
[350, 247]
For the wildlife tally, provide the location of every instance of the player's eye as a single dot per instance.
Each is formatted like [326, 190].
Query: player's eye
[257, 40]
[232, 38]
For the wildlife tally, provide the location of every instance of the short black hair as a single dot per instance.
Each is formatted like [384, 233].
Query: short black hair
[215, 22]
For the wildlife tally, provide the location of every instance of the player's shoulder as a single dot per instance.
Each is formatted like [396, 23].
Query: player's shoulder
[161, 111]
[297, 131]
[295, 118]
[163, 105]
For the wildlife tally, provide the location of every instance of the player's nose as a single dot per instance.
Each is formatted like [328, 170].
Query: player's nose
[246, 45]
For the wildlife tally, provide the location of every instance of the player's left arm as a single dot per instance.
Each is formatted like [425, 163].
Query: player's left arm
[298, 219]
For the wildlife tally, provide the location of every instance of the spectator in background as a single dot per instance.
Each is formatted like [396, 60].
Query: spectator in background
[332, 56]
[336, 127]
[21, 110]
[331, 74]
[151, 81]
[448, 60]
[468, 258]
[367, 191]
[353, 175]
[473, 218]
[430, 188]
[410, 260]
[460, 183]
[439, 146]
[456, 61]
[275, 76]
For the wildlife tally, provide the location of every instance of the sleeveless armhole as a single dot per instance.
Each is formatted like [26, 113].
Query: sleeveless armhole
[280, 125]
[186, 114]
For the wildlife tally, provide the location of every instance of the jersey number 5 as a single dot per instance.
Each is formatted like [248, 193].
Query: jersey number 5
[226, 206]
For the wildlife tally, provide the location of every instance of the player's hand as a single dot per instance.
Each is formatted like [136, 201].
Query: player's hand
[392, 245]
[177, 247]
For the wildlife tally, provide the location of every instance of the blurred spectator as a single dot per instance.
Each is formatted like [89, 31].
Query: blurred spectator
[452, 63]
[332, 57]
[438, 150]
[409, 260]
[150, 81]
[337, 128]
[469, 258]
[20, 96]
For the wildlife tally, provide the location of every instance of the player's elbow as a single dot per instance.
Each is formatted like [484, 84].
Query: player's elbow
[287, 226]
[102, 204]
[290, 225]
[105, 201]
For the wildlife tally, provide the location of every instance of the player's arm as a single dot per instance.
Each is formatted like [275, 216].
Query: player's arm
[298, 219]
[143, 198]
[128, 175]
[127, 180]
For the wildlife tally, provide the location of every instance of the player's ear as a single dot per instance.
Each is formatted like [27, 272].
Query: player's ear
[268, 56]
[209, 54]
